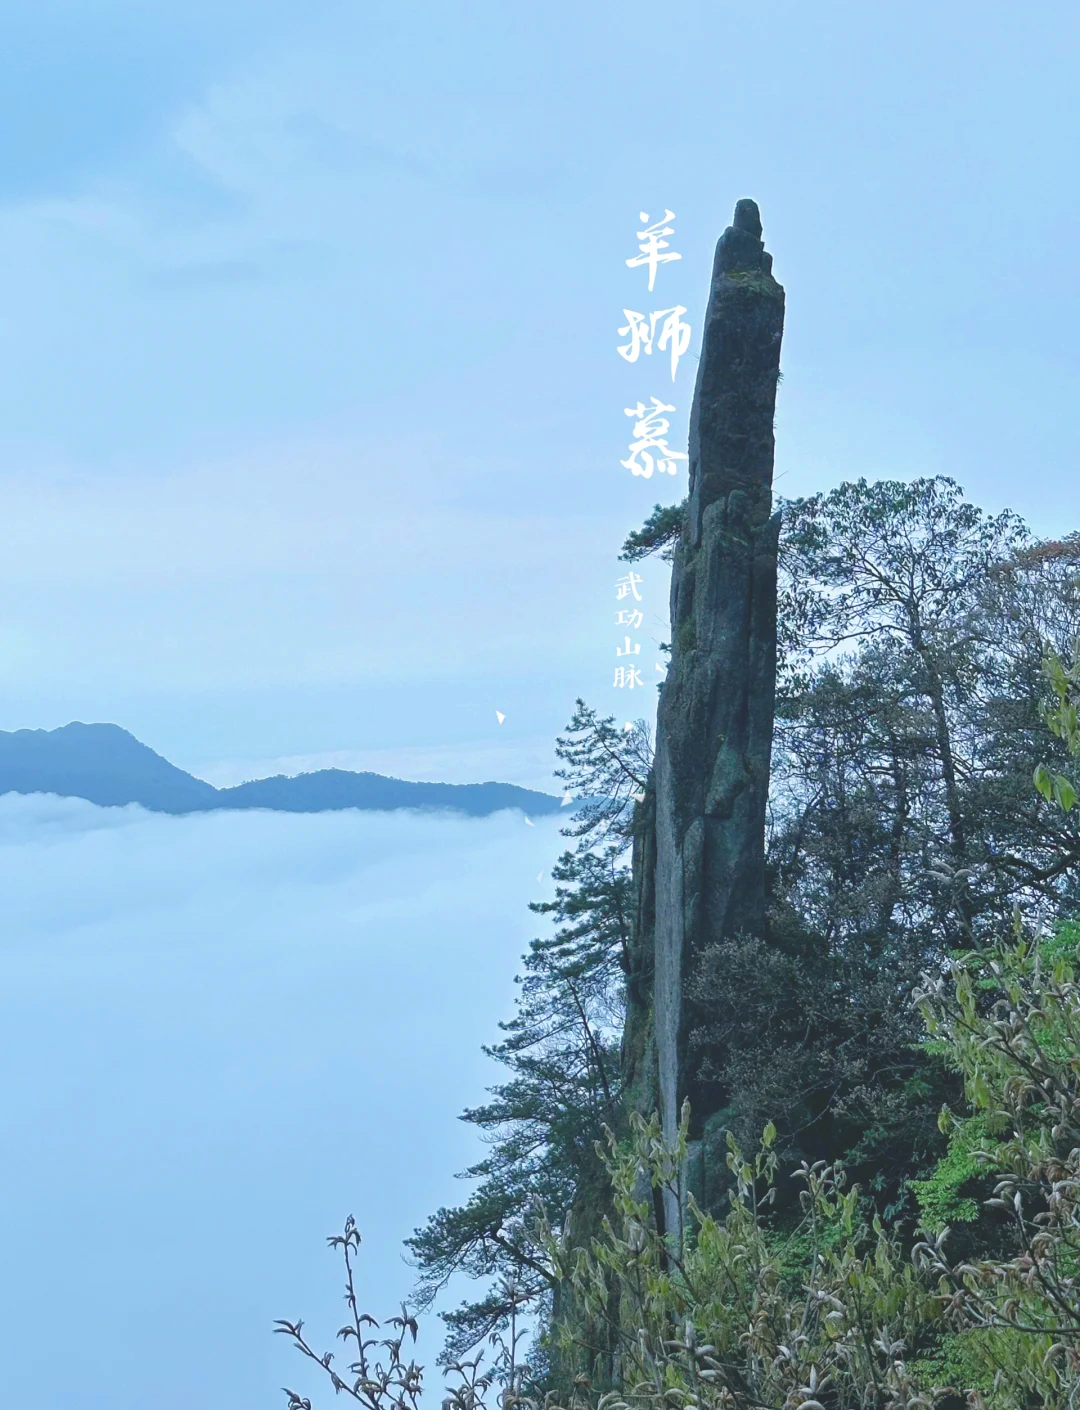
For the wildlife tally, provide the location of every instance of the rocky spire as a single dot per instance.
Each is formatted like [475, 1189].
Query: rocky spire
[715, 718]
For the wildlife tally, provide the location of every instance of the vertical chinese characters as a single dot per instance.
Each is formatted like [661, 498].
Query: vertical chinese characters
[649, 452]
[650, 433]
[641, 330]
[628, 676]
[654, 241]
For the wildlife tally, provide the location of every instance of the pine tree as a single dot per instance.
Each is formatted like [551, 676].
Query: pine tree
[561, 1051]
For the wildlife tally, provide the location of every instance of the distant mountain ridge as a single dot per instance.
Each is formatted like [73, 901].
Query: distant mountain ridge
[106, 765]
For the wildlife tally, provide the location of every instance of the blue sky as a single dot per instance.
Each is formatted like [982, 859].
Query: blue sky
[310, 410]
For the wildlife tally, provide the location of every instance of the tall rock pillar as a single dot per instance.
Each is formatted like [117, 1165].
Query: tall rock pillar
[715, 717]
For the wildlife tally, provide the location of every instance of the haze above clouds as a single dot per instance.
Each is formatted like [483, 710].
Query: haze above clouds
[310, 410]
[527, 762]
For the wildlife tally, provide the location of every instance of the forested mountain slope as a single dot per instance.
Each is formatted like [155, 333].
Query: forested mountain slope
[108, 766]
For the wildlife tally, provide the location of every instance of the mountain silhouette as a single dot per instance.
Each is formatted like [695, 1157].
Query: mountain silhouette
[106, 765]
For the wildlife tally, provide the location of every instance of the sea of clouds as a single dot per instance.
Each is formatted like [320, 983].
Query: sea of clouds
[220, 1035]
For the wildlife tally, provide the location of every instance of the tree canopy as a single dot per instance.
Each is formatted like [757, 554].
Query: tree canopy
[903, 830]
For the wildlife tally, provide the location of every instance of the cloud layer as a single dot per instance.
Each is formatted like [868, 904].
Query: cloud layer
[221, 1035]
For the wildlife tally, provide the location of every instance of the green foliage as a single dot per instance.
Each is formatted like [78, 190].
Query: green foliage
[940, 1198]
[562, 1053]
[606, 768]
[890, 550]
[815, 1304]
[827, 1049]
[659, 534]
[561, 1050]
[757, 281]
[725, 1315]
[909, 698]
[1062, 717]
[746, 1311]
[959, 1359]
[902, 822]
[831, 1311]
[1063, 943]
[903, 829]
[1011, 1019]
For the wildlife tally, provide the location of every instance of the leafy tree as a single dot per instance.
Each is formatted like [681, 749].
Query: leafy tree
[751, 1311]
[903, 827]
[900, 579]
[832, 1309]
[1010, 1020]
[931, 620]
[902, 821]
[738, 1317]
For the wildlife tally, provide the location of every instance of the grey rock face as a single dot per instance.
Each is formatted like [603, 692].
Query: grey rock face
[715, 720]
